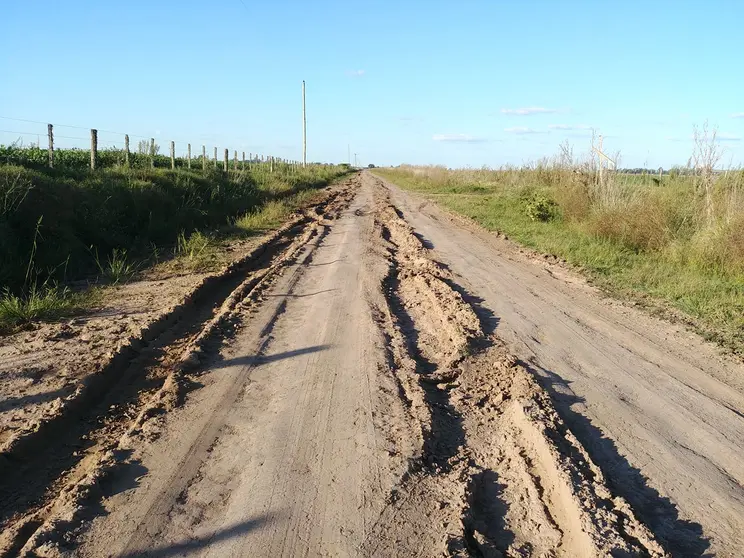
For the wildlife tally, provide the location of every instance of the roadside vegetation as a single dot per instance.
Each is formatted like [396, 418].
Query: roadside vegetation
[674, 240]
[69, 225]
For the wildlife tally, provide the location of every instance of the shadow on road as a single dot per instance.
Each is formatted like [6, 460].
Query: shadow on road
[200, 543]
[264, 359]
[680, 537]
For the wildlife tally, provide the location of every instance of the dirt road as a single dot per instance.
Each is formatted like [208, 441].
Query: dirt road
[367, 388]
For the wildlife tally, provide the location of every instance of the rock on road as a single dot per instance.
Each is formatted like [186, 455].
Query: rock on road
[378, 399]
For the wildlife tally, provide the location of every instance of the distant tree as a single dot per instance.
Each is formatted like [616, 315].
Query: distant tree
[370, 166]
[143, 148]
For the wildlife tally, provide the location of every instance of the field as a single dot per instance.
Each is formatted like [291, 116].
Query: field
[658, 240]
[69, 224]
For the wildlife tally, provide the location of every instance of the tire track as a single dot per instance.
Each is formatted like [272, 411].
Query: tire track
[499, 474]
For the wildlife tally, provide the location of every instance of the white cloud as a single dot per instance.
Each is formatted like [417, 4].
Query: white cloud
[529, 110]
[462, 138]
[738, 115]
[720, 136]
[355, 73]
[521, 130]
[569, 127]
[723, 136]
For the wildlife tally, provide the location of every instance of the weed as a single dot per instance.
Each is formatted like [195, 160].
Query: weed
[39, 303]
[193, 246]
[117, 268]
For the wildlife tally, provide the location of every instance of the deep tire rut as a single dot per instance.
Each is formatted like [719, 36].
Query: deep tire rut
[498, 473]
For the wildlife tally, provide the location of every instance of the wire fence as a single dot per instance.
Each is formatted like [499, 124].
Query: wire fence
[113, 149]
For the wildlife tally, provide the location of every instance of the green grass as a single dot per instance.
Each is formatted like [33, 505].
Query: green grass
[37, 304]
[651, 247]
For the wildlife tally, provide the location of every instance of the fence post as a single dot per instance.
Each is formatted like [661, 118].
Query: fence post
[93, 148]
[51, 145]
[189, 156]
[126, 149]
[250, 159]
[152, 152]
[215, 157]
[204, 158]
[173, 154]
[243, 160]
[235, 161]
[224, 164]
[271, 162]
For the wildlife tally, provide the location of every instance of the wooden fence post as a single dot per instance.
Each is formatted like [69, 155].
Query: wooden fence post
[250, 159]
[243, 160]
[152, 152]
[126, 149]
[271, 163]
[235, 161]
[189, 156]
[215, 157]
[173, 154]
[93, 148]
[51, 145]
[224, 163]
[204, 158]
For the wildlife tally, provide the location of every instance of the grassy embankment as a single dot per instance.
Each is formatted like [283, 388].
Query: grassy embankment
[664, 242]
[69, 223]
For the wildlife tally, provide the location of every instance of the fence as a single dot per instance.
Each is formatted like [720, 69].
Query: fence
[146, 154]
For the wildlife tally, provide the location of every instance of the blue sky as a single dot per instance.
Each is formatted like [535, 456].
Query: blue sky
[466, 83]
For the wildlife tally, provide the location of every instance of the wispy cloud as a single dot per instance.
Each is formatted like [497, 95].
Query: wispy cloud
[459, 138]
[720, 136]
[521, 130]
[737, 115]
[355, 73]
[569, 127]
[529, 110]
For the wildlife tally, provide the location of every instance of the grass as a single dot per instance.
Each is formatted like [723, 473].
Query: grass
[647, 240]
[38, 304]
[54, 223]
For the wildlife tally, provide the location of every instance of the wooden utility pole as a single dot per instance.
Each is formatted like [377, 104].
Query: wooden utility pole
[215, 157]
[152, 152]
[173, 154]
[304, 127]
[50, 131]
[93, 148]
[204, 158]
[188, 150]
[126, 149]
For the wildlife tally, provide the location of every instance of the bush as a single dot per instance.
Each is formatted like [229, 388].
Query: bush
[541, 208]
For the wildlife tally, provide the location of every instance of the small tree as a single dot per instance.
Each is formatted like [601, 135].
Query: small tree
[705, 156]
[143, 148]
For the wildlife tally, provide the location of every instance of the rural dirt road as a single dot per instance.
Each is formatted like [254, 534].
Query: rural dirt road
[387, 380]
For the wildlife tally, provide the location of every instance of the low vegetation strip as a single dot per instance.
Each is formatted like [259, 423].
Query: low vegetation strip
[666, 241]
[66, 224]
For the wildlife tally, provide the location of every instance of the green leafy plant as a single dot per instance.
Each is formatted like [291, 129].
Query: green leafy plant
[117, 268]
[541, 208]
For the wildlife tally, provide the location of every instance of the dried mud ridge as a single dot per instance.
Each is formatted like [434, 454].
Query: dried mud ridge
[498, 473]
[52, 472]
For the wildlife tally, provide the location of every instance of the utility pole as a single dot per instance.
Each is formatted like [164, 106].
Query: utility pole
[355, 163]
[348, 152]
[304, 127]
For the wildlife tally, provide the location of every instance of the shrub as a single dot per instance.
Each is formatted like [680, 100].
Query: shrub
[541, 208]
